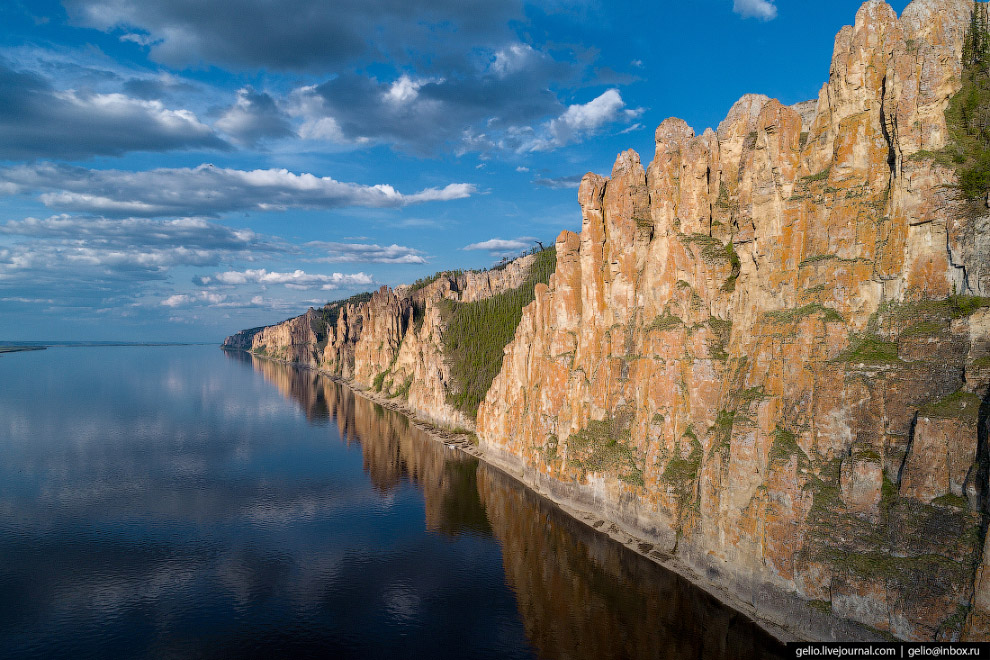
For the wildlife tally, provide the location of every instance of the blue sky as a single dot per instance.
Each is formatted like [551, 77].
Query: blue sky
[181, 169]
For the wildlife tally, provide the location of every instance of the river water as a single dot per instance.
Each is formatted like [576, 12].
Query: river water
[183, 502]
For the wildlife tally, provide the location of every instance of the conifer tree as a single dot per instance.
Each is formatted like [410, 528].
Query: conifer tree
[968, 114]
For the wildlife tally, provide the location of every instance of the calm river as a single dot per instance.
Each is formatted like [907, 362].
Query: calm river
[183, 502]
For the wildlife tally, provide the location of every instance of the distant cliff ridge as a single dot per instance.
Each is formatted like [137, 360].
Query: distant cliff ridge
[417, 342]
[768, 350]
[241, 340]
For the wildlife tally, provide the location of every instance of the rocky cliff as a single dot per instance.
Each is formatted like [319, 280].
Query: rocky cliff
[391, 341]
[768, 350]
[241, 341]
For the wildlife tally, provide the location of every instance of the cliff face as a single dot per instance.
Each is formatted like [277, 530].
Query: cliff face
[392, 342]
[292, 341]
[241, 341]
[768, 352]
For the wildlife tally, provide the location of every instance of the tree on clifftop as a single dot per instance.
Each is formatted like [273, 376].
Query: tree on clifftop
[968, 114]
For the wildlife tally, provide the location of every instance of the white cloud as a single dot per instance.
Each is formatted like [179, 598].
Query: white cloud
[177, 299]
[513, 58]
[206, 190]
[140, 39]
[254, 117]
[594, 113]
[100, 263]
[26, 261]
[297, 279]
[208, 297]
[763, 9]
[364, 253]
[405, 89]
[466, 110]
[501, 244]
[29, 301]
[40, 121]
[135, 233]
[578, 121]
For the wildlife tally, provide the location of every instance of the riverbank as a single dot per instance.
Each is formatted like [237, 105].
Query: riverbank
[466, 442]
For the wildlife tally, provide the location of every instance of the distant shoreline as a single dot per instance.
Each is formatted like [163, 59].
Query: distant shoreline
[10, 346]
[15, 349]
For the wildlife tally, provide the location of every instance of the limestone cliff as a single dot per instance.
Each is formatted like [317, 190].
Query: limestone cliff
[391, 341]
[769, 352]
[241, 341]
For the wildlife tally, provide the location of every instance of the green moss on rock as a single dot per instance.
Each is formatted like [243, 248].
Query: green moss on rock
[603, 447]
[795, 314]
[870, 349]
[964, 406]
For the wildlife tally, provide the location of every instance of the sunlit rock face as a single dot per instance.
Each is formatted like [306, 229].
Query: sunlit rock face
[397, 335]
[292, 341]
[762, 350]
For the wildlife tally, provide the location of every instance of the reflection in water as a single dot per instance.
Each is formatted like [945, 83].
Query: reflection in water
[301, 385]
[394, 449]
[580, 594]
[167, 502]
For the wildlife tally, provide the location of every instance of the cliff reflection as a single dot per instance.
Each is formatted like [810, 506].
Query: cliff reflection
[582, 595]
[579, 594]
[393, 449]
[303, 386]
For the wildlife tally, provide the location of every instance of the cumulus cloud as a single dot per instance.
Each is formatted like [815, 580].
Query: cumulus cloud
[205, 190]
[177, 299]
[100, 263]
[193, 233]
[364, 253]
[92, 270]
[254, 117]
[560, 182]
[466, 81]
[762, 9]
[500, 245]
[495, 109]
[579, 121]
[466, 111]
[208, 297]
[298, 34]
[39, 121]
[297, 279]
[514, 57]
[92, 264]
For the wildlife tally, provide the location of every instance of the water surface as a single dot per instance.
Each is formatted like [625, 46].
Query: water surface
[182, 502]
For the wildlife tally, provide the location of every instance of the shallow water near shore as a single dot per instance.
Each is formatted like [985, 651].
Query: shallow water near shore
[183, 502]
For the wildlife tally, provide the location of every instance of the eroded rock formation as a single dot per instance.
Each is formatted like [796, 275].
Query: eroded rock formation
[767, 350]
[392, 342]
